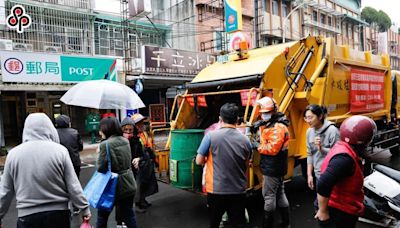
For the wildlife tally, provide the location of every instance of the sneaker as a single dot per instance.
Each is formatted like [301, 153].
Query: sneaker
[140, 208]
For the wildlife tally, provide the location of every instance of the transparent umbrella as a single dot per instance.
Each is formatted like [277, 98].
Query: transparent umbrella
[102, 94]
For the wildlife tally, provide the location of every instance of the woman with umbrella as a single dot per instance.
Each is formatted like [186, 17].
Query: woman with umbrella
[147, 182]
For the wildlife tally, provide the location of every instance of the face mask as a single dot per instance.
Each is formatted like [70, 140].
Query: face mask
[128, 135]
[266, 116]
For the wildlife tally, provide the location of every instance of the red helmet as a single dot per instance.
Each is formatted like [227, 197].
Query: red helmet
[358, 130]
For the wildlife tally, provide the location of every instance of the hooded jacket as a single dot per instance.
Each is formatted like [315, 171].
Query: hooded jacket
[273, 148]
[39, 172]
[69, 138]
[329, 136]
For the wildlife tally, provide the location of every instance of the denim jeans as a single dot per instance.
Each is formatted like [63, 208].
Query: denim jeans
[123, 213]
[47, 219]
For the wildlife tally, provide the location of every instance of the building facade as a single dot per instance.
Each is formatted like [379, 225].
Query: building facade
[384, 43]
[72, 29]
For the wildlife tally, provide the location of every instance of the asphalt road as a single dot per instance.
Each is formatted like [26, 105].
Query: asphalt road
[176, 208]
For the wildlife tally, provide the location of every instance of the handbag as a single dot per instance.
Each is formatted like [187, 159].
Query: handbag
[101, 189]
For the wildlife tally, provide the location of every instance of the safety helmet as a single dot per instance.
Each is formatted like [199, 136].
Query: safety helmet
[358, 130]
[137, 117]
[267, 104]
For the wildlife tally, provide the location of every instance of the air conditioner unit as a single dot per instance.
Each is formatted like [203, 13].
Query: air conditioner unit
[52, 49]
[6, 45]
[137, 63]
[22, 47]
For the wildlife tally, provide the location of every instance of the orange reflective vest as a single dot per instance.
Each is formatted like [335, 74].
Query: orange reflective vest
[273, 149]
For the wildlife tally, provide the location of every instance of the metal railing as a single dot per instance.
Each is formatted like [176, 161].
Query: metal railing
[82, 4]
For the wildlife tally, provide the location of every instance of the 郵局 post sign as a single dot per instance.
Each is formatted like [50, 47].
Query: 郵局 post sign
[366, 91]
[233, 15]
[53, 68]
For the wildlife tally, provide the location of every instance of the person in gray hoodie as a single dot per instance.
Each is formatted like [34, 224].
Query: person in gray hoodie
[321, 136]
[40, 174]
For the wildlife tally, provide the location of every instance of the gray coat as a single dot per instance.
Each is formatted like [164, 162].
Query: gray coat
[329, 136]
[39, 172]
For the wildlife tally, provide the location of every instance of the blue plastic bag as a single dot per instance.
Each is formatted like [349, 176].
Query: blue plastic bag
[101, 189]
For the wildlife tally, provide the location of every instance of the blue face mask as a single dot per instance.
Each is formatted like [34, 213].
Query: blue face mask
[266, 116]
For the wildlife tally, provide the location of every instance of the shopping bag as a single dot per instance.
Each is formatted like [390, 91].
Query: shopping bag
[101, 189]
[85, 224]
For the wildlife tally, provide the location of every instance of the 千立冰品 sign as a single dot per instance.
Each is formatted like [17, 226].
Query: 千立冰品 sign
[37, 67]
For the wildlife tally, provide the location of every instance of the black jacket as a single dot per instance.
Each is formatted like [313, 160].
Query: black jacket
[69, 138]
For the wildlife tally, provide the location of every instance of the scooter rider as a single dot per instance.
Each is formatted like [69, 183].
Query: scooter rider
[274, 138]
[340, 186]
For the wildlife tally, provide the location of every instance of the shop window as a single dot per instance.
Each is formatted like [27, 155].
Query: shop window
[265, 5]
[315, 15]
[31, 103]
[219, 38]
[350, 32]
[330, 21]
[275, 7]
[285, 10]
[30, 95]
[323, 18]
[74, 40]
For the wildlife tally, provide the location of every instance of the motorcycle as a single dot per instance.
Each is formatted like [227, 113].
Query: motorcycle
[382, 197]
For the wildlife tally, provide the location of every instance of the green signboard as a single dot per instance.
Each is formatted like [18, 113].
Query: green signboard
[83, 69]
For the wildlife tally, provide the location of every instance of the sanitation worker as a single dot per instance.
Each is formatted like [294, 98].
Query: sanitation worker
[340, 186]
[273, 149]
[226, 152]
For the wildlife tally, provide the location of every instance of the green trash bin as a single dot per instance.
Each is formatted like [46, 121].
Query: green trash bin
[183, 150]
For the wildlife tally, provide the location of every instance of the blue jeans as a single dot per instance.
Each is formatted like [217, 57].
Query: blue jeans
[46, 219]
[123, 213]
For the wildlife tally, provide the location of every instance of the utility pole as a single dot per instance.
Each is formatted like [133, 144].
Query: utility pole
[286, 18]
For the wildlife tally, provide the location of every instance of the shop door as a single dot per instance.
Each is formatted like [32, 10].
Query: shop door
[11, 131]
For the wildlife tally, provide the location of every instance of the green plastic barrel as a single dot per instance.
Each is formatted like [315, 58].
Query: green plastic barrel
[184, 145]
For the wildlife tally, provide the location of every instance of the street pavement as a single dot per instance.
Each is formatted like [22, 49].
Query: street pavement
[176, 208]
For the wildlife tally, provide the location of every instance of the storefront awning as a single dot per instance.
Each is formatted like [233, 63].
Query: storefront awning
[35, 86]
[153, 81]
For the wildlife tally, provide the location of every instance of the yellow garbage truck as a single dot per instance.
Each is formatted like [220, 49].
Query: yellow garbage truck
[313, 70]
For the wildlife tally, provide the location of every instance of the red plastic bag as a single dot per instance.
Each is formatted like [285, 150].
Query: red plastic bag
[85, 224]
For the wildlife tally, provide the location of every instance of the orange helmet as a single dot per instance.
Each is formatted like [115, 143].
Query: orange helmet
[137, 117]
[267, 104]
